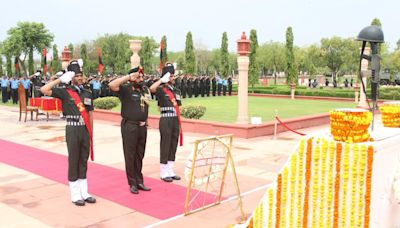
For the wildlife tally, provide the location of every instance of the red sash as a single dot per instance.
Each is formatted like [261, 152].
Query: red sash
[176, 106]
[85, 116]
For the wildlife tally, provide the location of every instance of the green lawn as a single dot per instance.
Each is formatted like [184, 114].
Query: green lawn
[224, 109]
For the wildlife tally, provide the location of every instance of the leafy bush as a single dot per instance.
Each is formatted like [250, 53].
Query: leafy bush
[193, 111]
[106, 102]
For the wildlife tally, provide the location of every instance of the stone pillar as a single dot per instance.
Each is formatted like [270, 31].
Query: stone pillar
[356, 93]
[364, 74]
[65, 58]
[292, 90]
[243, 67]
[135, 46]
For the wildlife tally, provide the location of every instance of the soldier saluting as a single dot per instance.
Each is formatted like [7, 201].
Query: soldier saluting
[77, 107]
[134, 111]
[169, 99]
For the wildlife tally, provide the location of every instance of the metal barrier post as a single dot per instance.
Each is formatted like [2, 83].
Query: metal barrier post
[276, 124]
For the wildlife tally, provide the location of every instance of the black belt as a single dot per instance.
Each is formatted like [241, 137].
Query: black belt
[139, 123]
[168, 111]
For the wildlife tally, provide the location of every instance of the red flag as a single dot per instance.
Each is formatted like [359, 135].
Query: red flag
[44, 61]
[161, 55]
[16, 63]
[100, 67]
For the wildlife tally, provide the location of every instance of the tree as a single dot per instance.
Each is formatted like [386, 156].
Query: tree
[84, 56]
[340, 54]
[8, 65]
[1, 66]
[26, 38]
[190, 59]
[71, 49]
[55, 64]
[291, 71]
[115, 51]
[224, 54]
[254, 69]
[165, 52]
[398, 45]
[271, 57]
[203, 61]
[149, 47]
[376, 22]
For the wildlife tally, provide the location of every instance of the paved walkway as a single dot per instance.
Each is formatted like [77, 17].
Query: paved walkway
[29, 200]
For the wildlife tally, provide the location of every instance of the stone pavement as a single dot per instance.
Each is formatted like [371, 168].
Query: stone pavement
[29, 200]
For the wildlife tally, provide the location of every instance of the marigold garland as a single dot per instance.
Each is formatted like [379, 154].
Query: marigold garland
[345, 184]
[322, 193]
[293, 175]
[350, 125]
[363, 162]
[337, 185]
[354, 186]
[300, 188]
[307, 182]
[270, 207]
[278, 202]
[330, 187]
[284, 196]
[368, 186]
[390, 114]
[315, 184]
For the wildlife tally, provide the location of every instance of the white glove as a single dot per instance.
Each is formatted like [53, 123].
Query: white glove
[67, 77]
[165, 78]
[80, 62]
[37, 74]
[59, 73]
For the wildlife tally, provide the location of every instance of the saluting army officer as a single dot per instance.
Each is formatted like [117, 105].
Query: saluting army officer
[170, 130]
[134, 112]
[77, 107]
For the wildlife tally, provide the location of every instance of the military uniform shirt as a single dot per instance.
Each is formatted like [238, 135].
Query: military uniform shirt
[132, 106]
[68, 104]
[163, 98]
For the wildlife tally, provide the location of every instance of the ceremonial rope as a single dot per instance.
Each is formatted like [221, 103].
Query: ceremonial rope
[287, 127]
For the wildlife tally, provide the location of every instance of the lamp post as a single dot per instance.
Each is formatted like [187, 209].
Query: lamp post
[243, 49]
[374, 35]
[135, 46]
[65, 58]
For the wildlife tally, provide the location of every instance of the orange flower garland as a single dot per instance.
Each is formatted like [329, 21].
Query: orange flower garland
[278, 202]
[300, 188]
[350, 125]
[337, 185]
[390, 114]
[368, 186]
[307, 182]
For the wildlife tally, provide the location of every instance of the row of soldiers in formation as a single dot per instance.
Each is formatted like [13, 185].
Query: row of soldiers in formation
[189, 85]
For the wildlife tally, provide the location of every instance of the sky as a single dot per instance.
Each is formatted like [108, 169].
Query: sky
[76, 21]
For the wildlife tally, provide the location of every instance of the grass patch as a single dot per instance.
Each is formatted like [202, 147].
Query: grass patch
[225, 109]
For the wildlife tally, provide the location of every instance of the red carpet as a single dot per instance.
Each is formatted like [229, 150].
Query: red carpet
[165, 200]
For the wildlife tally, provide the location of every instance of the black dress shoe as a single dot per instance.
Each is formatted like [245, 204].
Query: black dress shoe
[143, 187]
[176, 177]
[90, 200]
[167, 179]
[134, 189]
[79, 203]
